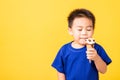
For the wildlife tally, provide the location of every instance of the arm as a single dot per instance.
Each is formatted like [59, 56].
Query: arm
[61, 76]
[100, 64]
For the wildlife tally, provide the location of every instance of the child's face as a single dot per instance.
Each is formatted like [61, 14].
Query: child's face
[82, 28]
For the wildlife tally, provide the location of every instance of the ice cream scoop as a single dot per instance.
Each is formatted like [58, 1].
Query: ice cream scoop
[90, 44]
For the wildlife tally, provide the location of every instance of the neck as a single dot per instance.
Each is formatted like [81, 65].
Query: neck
[77, 45]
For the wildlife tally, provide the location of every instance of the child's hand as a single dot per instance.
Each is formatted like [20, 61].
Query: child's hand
[92, 54]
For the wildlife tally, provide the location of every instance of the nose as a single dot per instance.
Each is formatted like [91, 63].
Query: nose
[84, 32]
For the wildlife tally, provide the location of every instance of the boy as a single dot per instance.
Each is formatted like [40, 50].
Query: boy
[72, 60]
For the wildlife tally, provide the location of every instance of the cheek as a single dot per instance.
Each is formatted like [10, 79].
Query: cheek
[75, 33]
[90, 34]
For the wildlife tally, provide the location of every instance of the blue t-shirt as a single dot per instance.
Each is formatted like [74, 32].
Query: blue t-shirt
[75, 65]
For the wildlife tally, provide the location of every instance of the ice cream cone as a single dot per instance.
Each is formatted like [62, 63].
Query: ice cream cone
[90, 44]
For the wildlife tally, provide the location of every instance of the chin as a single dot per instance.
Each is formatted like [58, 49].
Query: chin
[82, 43]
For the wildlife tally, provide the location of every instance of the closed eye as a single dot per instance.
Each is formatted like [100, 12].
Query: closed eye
[79, 29]
[88, 29]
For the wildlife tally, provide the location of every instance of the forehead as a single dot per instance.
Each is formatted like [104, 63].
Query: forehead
[82, 22]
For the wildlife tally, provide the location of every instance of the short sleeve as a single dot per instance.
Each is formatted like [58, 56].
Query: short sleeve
[58, 62]
[103, 54]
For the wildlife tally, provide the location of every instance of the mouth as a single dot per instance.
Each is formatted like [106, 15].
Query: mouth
[84, 38]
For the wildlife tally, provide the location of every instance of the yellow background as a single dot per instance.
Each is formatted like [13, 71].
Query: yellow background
[32, 31]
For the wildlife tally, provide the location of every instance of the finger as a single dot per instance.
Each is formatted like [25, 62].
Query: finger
[89, 57]
[89, 52]
[90, 49]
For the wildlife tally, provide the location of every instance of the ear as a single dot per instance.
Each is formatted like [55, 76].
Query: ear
[70, 31]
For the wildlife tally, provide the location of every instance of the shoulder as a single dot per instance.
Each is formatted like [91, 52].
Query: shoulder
[102, 53]
[65, 46]
[98, 46]
[99, 49]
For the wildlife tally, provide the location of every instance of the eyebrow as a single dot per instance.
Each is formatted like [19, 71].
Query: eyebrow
[90, 26]
[86, 26]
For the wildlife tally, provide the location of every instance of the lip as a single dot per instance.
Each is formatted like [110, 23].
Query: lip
[83, 38]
